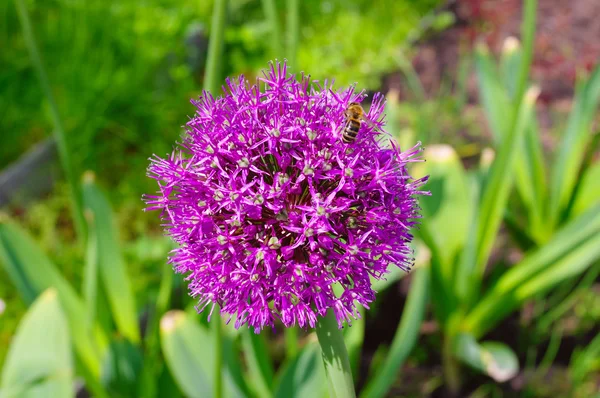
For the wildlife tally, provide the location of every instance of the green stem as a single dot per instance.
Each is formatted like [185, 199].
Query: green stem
[335, 357]
[147, 385]
[450, 366]
[90, 278]
[271, 14]
[291, 342]
[58, 131]
[293, 32]
[215, 46]
[218, 381]
[211, 79]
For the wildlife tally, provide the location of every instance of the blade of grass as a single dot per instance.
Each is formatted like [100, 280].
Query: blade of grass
[112, 270]
[405, 338]
[293, 32]
[270, 11]
[212, 74]
[58, 131]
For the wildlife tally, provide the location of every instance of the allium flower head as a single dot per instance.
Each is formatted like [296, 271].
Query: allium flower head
[275, 216]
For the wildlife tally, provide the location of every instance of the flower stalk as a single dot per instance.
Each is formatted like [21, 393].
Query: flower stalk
[218, 377]
[211, 77]
[335, 357]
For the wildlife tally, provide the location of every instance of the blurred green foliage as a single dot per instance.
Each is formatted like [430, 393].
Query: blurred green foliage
[358, 41]
[123, 73]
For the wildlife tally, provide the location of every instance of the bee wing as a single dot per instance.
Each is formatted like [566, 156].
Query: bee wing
[368, 121]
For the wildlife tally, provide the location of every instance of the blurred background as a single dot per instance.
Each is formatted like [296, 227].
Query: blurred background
[504, 300]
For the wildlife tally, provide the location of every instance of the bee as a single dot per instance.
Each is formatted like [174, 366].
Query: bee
[355, 114]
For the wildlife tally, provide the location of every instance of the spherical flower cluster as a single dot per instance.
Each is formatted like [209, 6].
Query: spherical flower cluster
[275, 216]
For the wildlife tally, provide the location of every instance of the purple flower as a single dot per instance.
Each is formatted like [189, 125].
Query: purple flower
[275, 216]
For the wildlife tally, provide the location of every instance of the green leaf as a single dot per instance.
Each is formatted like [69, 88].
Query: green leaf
[190, 355]
[23, 258]
[497, 188]
[570, 252]
[573, 145]
[405, 338]
[353, 338]
[494, 93]
[447, 214]
[335, 357]
[39, 362]
[494, 98]
[448, 210]
[574, 263]
[304, 376]
[564, 241]
[510, 61]
[531, 171]
[492, 358]
[117, 284]
[121, 368]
